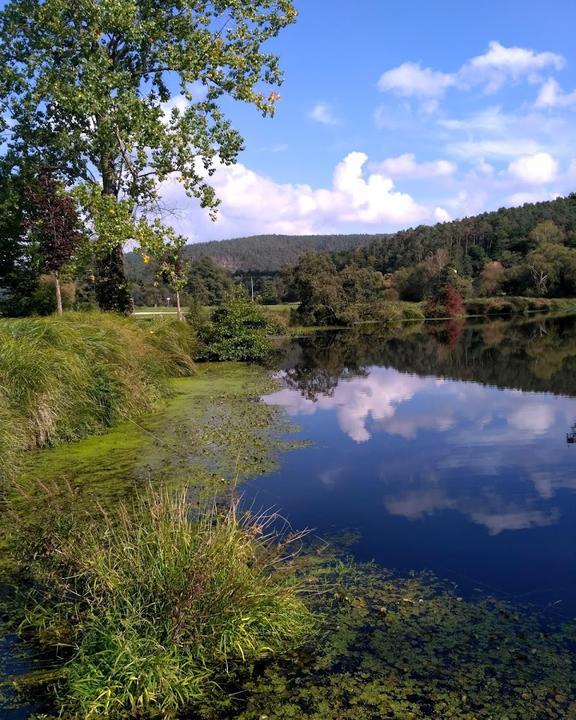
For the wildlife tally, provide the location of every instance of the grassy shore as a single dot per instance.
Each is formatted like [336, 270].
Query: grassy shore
[158, 602]
[63, 379]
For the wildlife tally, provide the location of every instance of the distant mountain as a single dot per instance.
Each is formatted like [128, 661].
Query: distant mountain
[268, 253]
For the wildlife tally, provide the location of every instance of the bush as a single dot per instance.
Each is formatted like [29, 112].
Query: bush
[66, 378]
[160, 606]
[238, 330]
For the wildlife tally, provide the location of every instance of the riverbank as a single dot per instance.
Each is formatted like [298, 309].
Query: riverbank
[210, 435]
[63, 379]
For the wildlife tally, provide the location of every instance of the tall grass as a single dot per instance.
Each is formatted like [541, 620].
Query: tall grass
[64, 378]
[158, 603]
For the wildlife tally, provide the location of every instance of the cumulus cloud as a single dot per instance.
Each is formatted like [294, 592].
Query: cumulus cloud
[535, 418]
[537, 169]
[493, 69]
[551, 95]
[255, 203]
[412, 80]
[500, 64]
[322, 113]
[356, 400]
[406, 166]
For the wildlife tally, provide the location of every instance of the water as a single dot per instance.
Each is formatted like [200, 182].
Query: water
[441, 449]
[446, 450]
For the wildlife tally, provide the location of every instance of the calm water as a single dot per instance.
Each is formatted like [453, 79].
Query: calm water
[446, 450]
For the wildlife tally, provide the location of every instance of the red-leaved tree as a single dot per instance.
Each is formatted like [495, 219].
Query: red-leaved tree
[55, 226]
[454, 302]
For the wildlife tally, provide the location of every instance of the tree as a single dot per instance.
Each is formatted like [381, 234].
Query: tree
[208, 283]
[55, 225]
[88, 87]
[18, 268]
[166, 247]
[237, 330]
[492, 276]
[318, 286]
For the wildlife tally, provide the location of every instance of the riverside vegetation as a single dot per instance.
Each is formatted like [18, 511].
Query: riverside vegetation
[162, 604]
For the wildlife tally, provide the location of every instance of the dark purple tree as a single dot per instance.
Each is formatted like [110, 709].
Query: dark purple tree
[55, 226]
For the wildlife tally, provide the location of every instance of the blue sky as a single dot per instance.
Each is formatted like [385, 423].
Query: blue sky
[393, 114]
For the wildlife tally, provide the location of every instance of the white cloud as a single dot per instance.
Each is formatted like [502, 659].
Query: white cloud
[441, 215]
[406, 166]
[412, 80]
[356, 400]
[521, 198]
[177, 102]
[501, 64]
[253, 203]
[489, 120]
[322, 113]
[551, 95]
[501, 148]
[537, 169]
[494, 68]
[534, 418]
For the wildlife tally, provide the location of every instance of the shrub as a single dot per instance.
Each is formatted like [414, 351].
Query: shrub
[238, 330]
[159, 604]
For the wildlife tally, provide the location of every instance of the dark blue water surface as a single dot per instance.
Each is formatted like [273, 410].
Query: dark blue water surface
[447, 449]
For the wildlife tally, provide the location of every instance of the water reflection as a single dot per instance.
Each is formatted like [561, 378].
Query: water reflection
[446, 453]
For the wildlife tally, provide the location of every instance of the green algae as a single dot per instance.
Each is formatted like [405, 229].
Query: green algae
[212, 432]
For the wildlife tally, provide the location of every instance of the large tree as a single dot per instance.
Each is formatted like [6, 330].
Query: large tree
[89, 86]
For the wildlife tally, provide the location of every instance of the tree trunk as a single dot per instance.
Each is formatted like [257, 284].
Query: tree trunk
[58, 294]
[178, 310]
[111, 285]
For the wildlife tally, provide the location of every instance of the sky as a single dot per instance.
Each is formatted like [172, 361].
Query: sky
[394, 114]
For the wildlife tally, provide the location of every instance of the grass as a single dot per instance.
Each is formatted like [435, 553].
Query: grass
[63, 379]
[158, 604]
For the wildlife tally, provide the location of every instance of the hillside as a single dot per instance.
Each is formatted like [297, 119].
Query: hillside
[268, 253]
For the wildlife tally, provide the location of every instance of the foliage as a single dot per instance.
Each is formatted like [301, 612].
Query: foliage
[86, 89]
[19, 261]
[55, 227]
[267, 254]
[492, 277]
[237, 330]
[66, 378]
[160, 602]
[329, 296]
[162, 243]
[208, 283]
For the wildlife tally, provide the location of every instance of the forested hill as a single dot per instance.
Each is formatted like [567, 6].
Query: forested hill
[487, 235]
[504, 235]
[268, 253]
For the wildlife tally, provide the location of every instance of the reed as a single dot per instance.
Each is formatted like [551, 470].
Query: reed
[160, 602]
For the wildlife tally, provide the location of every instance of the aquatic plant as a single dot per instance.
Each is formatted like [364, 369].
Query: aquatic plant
[65, 378]
[158, 603]
[408, 648]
